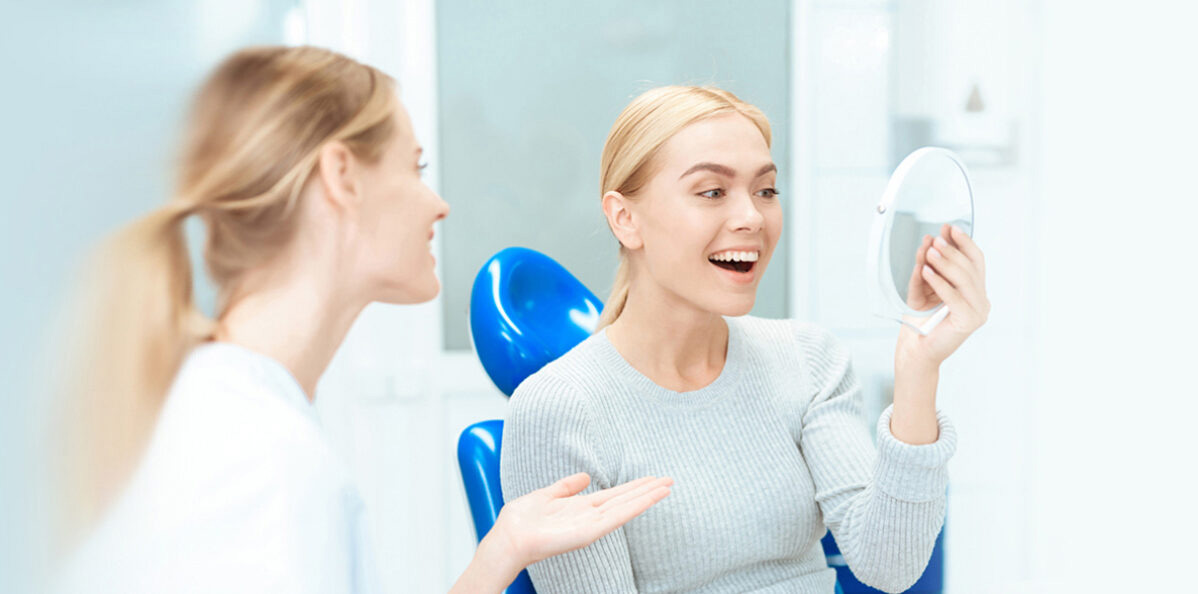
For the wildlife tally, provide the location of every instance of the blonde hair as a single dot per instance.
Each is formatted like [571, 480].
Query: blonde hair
[628, 161]
[252, 143]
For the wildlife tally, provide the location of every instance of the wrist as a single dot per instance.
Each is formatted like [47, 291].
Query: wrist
[916, 378]
[499, 556]
[915, 364]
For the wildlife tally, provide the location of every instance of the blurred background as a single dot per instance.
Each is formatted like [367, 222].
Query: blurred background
[1075, 468]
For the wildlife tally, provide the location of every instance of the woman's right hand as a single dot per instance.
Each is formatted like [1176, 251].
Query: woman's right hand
[556, 520]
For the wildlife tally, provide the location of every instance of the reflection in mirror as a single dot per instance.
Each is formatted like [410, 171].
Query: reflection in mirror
[929, 190]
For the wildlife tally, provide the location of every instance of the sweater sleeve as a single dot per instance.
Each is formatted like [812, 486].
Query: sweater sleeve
[885, 507]
[549, 435]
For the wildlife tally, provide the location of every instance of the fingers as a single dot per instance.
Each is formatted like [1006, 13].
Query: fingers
[619, 515]
[921, 255]
[918, 292]
[570, 485]
[635, 492]
[967, 246]
[957, 269]
[947, 293]
[977, 297]
[601, 497]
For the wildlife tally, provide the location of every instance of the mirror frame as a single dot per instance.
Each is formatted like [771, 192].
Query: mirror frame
[887, 302]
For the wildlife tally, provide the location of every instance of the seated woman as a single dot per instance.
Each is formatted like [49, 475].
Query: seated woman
[758, 421]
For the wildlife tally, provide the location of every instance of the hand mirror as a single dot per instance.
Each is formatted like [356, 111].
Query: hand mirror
[928, 189]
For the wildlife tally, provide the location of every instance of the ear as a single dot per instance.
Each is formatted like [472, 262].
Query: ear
[338, 170]
[619, 218]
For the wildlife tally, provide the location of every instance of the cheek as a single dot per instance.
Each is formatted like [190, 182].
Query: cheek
[774, 220]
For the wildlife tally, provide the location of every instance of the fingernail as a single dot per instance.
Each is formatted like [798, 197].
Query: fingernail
[934, 253]
[927, 269]
[940, 242]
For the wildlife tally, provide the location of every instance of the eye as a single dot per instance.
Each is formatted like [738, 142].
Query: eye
[713, 194]
[768, 193]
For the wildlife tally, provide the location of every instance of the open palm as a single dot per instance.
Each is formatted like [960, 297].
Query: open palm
[555, 519]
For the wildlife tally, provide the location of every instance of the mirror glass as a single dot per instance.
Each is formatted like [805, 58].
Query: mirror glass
[929, 189]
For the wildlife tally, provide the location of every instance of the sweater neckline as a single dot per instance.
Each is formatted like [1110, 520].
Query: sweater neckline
[647, 387]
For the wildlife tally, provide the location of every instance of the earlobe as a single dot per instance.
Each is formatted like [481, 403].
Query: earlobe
[616, 208]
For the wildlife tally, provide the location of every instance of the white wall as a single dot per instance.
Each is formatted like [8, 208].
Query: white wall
[1116, 397]
[858, 64]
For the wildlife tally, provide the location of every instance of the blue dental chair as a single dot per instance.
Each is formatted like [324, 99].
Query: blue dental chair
[525, 311]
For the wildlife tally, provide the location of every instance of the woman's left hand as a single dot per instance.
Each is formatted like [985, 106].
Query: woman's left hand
[955, 270]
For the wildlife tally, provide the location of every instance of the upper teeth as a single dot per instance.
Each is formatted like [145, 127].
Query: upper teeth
[734, 256]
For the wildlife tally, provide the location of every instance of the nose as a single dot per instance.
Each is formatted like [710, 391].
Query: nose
[442, 207]
[746, 217]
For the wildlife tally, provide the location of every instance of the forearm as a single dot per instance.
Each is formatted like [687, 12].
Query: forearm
[492, 569]
[914, 418]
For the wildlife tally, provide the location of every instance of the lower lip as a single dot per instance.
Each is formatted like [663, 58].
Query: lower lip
[738, 278]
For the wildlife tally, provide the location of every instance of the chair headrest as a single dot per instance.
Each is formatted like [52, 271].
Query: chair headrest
[525, 311]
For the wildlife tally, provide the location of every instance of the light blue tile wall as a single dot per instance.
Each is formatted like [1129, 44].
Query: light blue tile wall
[528, 92]
[92, 98]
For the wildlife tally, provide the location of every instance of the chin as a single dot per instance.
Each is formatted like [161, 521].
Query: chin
[413, 295]
[736, 308]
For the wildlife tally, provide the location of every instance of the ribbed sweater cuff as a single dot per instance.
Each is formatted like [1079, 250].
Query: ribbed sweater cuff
[914, 472]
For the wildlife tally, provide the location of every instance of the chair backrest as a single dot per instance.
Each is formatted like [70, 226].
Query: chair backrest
[525, 311]
[478, 457]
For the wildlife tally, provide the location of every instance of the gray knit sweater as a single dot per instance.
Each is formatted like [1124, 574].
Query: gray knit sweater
[763, 458]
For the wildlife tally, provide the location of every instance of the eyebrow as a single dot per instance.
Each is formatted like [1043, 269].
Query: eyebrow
[724, 170]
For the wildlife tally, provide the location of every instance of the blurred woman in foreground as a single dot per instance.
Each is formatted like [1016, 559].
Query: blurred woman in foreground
[198, 462]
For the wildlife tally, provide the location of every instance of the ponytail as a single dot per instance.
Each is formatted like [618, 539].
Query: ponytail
[619, 294]
[253, 139]
[133, 323]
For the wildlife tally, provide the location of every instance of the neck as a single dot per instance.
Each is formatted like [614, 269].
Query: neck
[299, 322]
[674, 344]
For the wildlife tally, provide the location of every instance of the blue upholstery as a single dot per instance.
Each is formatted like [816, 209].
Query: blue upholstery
[525, 311]
[931, 582]
[478, 457]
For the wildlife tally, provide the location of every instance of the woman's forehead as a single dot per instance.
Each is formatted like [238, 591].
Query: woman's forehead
[729, 140]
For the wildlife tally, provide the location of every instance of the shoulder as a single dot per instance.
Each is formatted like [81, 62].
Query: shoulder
[809, 348]
[791, 332]
[553, 395]
[819, 349]
[573, 380]
[221, 426]
[765, 331]
[790, 337]
[813, 337]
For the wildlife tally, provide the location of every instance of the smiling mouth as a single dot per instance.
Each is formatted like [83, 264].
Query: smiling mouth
[735, 261]
[734, 266]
